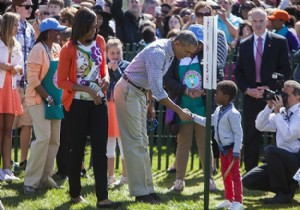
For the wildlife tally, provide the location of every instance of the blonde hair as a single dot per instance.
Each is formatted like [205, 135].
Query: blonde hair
[6, 31]
[293, 84]
[114, 42]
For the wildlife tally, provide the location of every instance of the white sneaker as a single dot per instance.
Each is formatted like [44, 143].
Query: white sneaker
[122, 181]
[5, 177]
[178, 185]
[236, 206]
[213, 186]
[110, 181]
[1, 206]
[11, 174]
[224, 204]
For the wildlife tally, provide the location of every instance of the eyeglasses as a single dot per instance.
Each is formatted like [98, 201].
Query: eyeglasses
[45, 13]
[27, 7]
[63, 20]
[200, 14]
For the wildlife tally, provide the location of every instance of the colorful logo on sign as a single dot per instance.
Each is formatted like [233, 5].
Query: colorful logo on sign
[192, 79]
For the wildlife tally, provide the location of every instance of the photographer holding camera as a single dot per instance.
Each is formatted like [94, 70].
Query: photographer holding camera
[281, 115]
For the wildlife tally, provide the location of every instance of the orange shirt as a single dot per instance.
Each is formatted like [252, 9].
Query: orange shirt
[67, 69]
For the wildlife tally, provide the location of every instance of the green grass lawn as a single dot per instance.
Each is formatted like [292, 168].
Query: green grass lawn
[192, 197]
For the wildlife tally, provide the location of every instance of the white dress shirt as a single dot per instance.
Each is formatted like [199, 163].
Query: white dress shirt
[285, 124]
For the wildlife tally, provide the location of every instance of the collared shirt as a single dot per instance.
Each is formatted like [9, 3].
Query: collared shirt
[286, 124]
[264, 36]
[147, 69]
[25, 35]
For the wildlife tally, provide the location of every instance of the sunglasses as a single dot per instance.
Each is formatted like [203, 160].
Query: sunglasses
[27, 7]
[63, 20]
[45, 13]
[200, 14]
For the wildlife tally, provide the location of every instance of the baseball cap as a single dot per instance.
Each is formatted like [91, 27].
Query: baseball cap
[51, 24]
[198, 31]
[279, 15]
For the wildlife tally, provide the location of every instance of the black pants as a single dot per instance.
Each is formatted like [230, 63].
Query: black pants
[86, 116]
[63, 154]
[252, 136]
[276, 175]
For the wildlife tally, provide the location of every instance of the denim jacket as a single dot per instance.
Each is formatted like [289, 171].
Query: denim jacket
[115, 76]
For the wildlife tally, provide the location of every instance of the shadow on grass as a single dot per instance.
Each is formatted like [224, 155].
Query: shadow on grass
[256, 203]
[124, 205]
[18, 193]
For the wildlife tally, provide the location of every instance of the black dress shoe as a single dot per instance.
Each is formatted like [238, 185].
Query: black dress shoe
[146, 199]
[109, 205]
[156, 197]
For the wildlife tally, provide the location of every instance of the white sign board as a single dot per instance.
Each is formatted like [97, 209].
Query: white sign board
[210, 52]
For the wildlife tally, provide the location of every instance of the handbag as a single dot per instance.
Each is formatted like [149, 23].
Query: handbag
[54, 112]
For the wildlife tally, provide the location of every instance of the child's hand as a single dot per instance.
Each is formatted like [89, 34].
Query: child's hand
[113, 65]
[236, 156]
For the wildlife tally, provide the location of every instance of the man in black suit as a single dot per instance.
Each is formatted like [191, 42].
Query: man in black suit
[260, 56]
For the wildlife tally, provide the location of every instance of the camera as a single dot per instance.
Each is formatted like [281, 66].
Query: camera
[270, 94]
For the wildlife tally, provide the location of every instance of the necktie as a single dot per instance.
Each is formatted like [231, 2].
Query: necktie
[258, 58]
[287, 115]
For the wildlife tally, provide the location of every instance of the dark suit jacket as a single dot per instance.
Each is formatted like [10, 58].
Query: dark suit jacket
[275, 59]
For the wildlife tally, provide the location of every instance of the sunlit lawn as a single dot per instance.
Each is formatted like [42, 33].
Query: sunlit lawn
[192, 197]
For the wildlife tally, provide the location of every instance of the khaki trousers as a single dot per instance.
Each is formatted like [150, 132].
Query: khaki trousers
[184, 143]
[43, 149]
[132, 117]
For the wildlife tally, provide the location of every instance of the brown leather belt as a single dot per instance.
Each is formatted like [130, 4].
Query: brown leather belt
[134, 85]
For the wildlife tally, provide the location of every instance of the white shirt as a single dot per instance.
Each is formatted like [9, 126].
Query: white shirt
[16, 59]
[286, 126]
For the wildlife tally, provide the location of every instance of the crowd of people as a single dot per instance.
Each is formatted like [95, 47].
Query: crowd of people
[63, 76]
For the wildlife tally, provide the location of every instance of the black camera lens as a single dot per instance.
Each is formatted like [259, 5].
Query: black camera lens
[269, 95]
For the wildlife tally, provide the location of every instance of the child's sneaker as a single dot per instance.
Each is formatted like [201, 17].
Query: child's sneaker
[236, 206]
[5, 177]
[110, 181]
[213, 186]
[1, 206]
[122, 181]
[224, 204]
[178, 185]
[20, 166]
[11, 174]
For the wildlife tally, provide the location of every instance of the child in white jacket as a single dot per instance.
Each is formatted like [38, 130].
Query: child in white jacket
[229, 135]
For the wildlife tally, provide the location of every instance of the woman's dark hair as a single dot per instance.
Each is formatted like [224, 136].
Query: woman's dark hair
[42, 37]
[83, 23]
